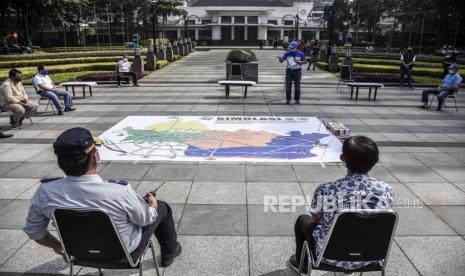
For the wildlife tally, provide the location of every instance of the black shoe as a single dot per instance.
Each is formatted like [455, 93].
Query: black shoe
[20, 123]
[422, 106]
[439, 109]
[167, 259]
[297, 102]
[5, 135]
[294, 265]
[60, 112]
[288, 102]
[136, 85]
[69, 109]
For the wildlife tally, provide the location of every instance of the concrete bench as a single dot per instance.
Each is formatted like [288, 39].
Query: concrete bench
[82, 84]
[229, 83]
[370, 86]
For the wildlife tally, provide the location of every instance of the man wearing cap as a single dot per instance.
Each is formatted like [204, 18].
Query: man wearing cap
[135, 219]
[449, 84]
[45, 87]
[294, 59]
[124, 69]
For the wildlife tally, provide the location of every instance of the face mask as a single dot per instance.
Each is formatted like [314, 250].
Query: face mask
[45, 72]
[125, 59]
[451, 72]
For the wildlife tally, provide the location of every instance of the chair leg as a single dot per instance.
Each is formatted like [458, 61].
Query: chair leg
[141, 272]
[305, 254]
[154, 258]
[382, 273]
[100, 272]
[456, 108]
[431, 102]
[71, 268]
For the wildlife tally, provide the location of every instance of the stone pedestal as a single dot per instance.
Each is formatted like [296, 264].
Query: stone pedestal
[182, 50]
[138, 65]
[176, 50]
[333, 63]
[151, 59]
[161, 55]
[169, 54]
[189, 46]
[186, 49]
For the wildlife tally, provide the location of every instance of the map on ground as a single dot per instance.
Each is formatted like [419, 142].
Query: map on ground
[220, 138]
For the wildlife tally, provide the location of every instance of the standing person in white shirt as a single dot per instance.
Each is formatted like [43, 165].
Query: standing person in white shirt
[124, 68]
[46, 88]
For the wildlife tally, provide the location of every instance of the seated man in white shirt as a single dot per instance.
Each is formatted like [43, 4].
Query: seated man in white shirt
[124, 68]
[46, 88]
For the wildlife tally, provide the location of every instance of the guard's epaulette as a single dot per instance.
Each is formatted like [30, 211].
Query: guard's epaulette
[118, 181]
[45, 180]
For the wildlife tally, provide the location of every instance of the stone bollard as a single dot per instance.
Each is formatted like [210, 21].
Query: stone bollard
[151, 58]
[175, 48]
[189, 45]
[161, 54]
[138, 63]
[181, 48]
[333, 59]
[186, 47]
[169, 52]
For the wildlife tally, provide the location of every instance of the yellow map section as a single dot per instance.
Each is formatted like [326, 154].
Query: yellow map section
[178, 125]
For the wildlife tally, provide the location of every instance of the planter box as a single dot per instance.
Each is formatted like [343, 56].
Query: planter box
[161, 55]
[151, 62]
[169, 54]
[249, 71]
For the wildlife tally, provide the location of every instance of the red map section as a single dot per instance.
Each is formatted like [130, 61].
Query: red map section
[226, 139]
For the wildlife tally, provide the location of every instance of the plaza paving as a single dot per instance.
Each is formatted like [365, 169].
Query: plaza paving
[218, 207]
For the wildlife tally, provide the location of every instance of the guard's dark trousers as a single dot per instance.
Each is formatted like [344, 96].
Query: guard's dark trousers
[293, 75]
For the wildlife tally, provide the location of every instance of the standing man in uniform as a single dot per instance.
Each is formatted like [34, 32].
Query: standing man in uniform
[124, 68]
[135, 219]
[407, 59]
[294, 59]
[13, 97]
[46, 88]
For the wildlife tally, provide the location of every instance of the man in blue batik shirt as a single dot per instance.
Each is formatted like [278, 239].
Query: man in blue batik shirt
[449, 84]
[355, 191]
[294, 59]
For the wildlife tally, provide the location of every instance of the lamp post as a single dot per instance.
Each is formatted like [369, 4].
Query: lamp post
[296, 20]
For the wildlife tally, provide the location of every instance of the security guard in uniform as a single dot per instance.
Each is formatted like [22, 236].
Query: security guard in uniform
[135, 218]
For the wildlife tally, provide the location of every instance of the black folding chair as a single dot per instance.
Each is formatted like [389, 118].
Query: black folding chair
[451, 96]
[49, 101]
[89, 238]
[236, 72]
[345, 76]
[355, 236]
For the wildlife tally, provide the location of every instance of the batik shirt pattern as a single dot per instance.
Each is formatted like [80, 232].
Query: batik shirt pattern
[355, 191]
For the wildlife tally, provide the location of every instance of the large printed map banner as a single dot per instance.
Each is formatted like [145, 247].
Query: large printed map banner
[220, 138]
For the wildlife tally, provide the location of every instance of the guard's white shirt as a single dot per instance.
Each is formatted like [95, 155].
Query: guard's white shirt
[41, 79]
[129, 212]
[124, 66]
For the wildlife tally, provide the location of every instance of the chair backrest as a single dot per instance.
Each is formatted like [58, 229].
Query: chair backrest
[360, 235]
[89, 236]
[346, 73]
[236, 71]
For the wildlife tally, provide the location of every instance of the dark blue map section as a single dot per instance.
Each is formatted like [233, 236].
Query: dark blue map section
[295, 145]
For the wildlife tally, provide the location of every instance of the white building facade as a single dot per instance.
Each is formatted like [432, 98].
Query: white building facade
[247, 22]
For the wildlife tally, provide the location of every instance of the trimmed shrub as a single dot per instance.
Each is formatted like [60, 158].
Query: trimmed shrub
[48, 62]
[162, 63]
[67, 55]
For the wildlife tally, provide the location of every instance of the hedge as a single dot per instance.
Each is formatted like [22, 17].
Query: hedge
[374, 61]
[29, 72]
[162, 63]
[67, 55]
[48, 62]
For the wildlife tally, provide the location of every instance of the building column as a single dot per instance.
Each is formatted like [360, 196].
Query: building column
[246, 35]
[317, 35]
[232, 32]
[178, 33]
[282, 34]
[196, 34]
[216, 35]
[299, 34]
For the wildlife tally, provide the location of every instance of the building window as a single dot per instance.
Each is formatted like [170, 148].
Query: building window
[205, 22]
[239, 19]
[190, 22]
[252, 19]
[226, 19]
[273, 22]
[289, 22]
